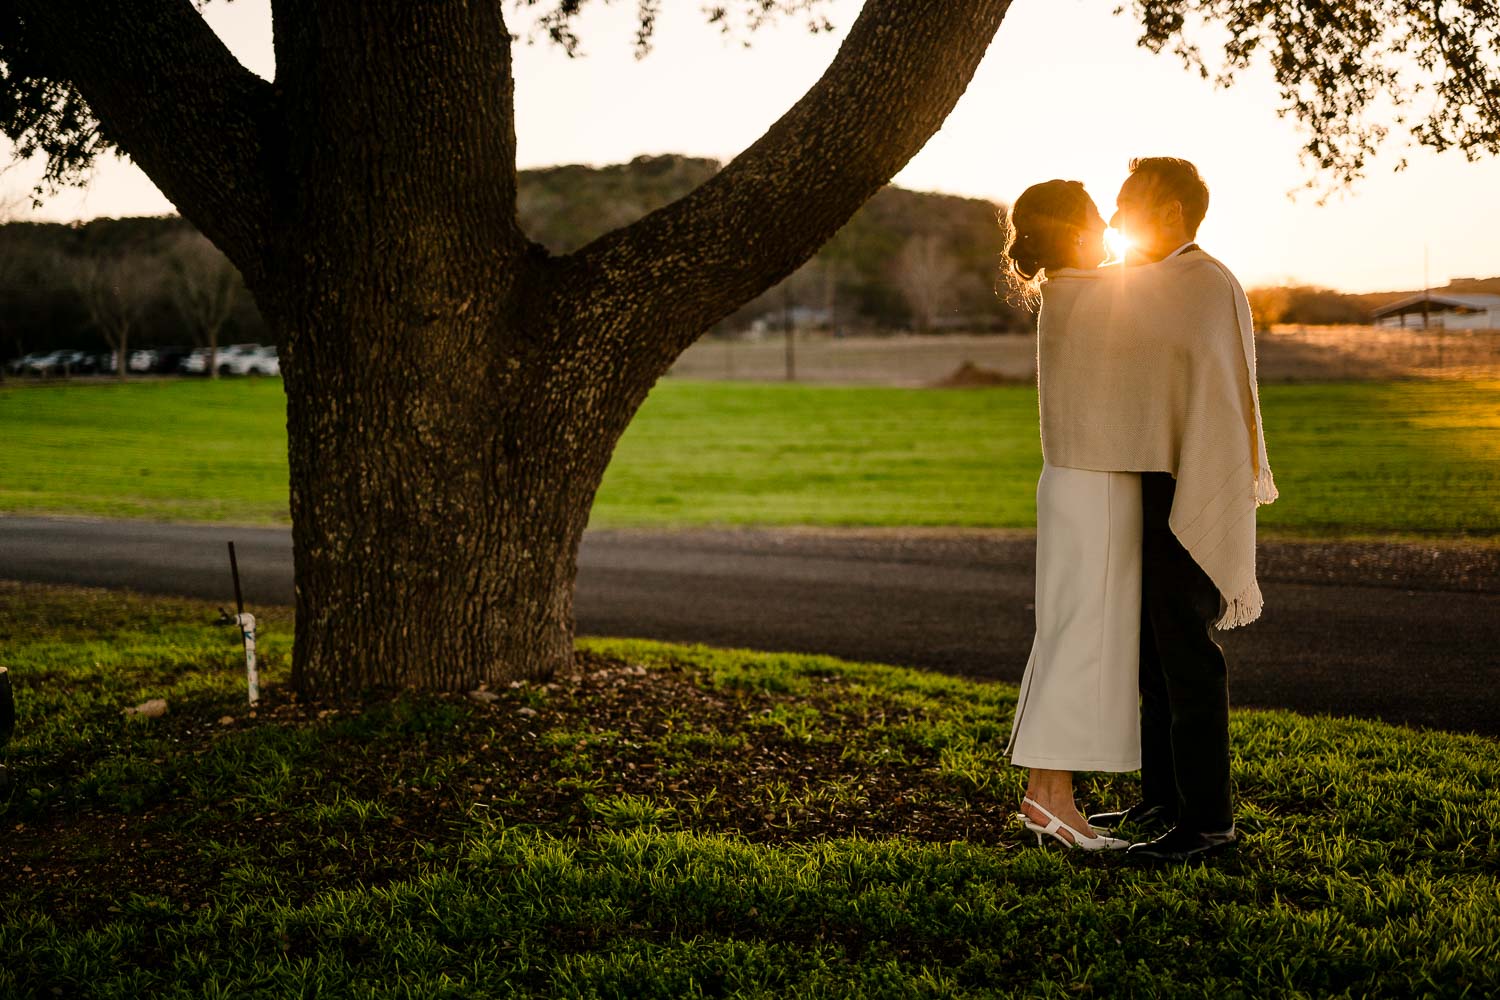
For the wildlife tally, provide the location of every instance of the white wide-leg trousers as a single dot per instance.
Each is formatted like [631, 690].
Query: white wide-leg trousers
[1079, 707]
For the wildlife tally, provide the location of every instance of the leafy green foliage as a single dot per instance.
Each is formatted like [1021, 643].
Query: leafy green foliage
[1345, 68]
[1339, 66]
[43, 115]
[554, 19]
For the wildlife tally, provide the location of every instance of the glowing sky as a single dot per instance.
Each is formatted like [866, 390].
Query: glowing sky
[1064, 92]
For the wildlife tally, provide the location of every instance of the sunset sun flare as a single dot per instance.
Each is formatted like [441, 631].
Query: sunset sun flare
[1116, 243]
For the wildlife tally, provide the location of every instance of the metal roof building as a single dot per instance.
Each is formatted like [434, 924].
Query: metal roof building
[1443, 310]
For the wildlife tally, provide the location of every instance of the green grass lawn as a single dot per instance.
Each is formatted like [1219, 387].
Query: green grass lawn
[1352, 459]
[679, 822]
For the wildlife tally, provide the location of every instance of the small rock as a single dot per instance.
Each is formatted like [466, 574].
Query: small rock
[153, 709]
[526, 711]
[485, 696]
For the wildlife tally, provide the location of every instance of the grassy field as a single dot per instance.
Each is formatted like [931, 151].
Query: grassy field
[1352, 459]
[678, 822]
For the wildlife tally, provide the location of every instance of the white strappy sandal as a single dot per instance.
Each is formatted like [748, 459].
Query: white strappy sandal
[1056, 825]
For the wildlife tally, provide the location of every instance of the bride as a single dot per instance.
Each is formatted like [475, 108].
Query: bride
[1078, 708]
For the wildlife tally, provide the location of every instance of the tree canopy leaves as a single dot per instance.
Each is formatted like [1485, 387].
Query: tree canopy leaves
[1349, 71]
[41, 114]
[554, 18]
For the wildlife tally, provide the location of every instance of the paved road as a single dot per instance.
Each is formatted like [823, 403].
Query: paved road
[1399, 632]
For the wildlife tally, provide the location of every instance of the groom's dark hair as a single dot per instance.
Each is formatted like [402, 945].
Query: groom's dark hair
[1178, 180]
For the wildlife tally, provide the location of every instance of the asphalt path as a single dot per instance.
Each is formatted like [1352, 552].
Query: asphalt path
[1400, 632]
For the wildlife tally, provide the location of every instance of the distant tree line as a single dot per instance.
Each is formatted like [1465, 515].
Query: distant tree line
[1306, 305]
[118, 284]
[907, 260]
[1310, 305]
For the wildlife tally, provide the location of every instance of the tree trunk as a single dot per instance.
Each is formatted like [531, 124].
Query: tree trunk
[439, 491]
[453, 393]
[436, 501]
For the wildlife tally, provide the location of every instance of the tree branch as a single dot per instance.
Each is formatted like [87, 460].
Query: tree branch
[664, 279]
[170, 95]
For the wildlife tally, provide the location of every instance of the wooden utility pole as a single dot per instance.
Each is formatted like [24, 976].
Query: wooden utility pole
[791, 337]
[1426, 287]
[1426, 303]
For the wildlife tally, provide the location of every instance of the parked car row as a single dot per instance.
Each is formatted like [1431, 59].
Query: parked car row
[235, 359]
[54, 363]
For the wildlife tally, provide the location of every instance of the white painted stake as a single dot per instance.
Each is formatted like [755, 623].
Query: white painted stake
[246, 622]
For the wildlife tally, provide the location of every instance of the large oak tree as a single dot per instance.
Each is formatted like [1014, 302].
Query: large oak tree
[454, 392]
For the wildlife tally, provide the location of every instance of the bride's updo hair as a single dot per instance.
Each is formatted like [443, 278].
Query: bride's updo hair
[1038, 234]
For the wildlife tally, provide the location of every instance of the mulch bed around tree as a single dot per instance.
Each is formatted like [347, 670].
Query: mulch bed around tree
[663, 733]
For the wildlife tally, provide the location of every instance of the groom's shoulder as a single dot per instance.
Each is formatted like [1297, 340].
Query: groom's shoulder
[1209, 273]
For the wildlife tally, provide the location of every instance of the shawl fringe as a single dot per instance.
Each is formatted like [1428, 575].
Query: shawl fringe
[1265, 487]
[1243, 609]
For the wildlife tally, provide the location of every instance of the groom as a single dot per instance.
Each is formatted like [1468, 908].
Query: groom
[1184, 690]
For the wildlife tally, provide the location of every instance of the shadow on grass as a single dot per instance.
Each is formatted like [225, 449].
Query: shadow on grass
[678, 821]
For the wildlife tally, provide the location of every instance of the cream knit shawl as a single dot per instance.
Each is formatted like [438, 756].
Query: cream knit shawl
[1152, 369]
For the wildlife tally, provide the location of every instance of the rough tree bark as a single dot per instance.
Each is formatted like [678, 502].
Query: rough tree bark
[454, 393]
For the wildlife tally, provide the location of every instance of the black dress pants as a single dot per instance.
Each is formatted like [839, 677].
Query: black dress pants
[1183, 676]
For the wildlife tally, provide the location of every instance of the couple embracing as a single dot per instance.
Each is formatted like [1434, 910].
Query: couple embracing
[1153, 466]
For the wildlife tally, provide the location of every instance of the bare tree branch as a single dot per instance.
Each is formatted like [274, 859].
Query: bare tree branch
[925, 272]
[203, 285]
[116, 291]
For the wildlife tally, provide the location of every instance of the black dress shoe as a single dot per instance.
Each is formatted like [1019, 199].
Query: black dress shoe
[1140, 818]
[1181, 844]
